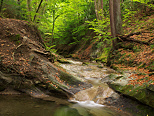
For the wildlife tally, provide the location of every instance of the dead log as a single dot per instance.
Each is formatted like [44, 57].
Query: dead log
[128, 38]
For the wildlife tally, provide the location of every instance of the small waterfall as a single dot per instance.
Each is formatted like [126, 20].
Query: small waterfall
[96, 95]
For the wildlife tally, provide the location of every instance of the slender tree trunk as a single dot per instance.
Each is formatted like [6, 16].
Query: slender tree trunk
[53, 25]
[37, 10]
[1, 6]
[96, 9]
[99, 8]
[102, 8]
[29, 9]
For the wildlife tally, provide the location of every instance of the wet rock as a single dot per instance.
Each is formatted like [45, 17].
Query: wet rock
[63, 61]
[151, 88]
[87, 69]
[28, 64]
[100, 66]
[143, 93]
[9, 91]
[96, 94]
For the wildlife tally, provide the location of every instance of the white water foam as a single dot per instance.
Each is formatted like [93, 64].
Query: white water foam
[87, 103]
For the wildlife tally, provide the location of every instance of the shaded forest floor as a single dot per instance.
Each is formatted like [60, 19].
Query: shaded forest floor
[136, 51]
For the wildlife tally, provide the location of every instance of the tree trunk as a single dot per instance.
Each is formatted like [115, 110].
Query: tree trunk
[1, 6]
[113, 32]
[53, 26]
[102, 8]
[29, 9]
[115, 20]
[117, 17]
[98, 7]
[37, 10]
[116, 24]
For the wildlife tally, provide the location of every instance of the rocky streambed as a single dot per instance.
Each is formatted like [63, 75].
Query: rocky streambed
[111, 88]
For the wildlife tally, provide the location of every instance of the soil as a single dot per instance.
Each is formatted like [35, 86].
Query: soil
[12, 32]
[26, 65]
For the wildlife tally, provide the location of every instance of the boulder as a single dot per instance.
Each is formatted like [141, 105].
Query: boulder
[143, 93]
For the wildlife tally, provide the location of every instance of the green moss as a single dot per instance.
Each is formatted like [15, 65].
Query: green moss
[141, 93]
[102, 58]
[114, 67]
[127, 89]
[69, 78]
[64, 61]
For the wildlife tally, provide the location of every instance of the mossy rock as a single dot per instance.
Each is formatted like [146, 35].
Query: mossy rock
[69, 78]
[151, 88]
[144, 93]
[63, 61]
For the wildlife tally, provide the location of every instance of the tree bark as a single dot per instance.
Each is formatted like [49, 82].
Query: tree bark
[29, 9]
[117, 17]
[116, 25]
[115, 20]
[1, 6]
[102, 7]
[98, 7]
[113, 32]
[37, 10]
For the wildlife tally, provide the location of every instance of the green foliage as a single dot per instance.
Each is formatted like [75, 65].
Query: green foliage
[64, 22]
[51, 48]
[130, 9]
[69, 22]
[128, 17]
[11, 9]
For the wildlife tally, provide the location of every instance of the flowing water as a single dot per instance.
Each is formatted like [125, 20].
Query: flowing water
[89, 102]
[22, 105]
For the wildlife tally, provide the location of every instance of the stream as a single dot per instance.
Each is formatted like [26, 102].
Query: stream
[99, 100]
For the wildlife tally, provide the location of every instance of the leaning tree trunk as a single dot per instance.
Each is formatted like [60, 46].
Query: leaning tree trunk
[37, 10]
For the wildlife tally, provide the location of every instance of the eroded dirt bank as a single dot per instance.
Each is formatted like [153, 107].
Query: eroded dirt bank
[25, 64]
